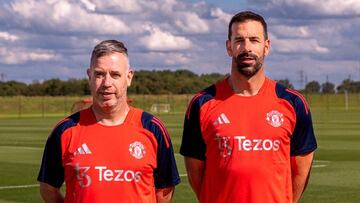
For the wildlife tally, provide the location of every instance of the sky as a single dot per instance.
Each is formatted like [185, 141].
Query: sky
[310, 39]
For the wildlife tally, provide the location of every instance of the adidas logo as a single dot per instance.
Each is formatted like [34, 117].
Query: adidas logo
[222, 119]
[84, 149]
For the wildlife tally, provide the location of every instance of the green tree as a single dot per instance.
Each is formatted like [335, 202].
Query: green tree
[312, 87]
[54, 87]
[12, 88]
[35, 89]
[76, 87]
[350, 86]
[328, 88]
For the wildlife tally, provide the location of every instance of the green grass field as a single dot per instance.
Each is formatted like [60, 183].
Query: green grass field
[335, 176]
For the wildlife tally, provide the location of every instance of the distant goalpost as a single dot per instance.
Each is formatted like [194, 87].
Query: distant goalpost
[160, 108]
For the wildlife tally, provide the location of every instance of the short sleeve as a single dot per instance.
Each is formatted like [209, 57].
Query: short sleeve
[303, 138]
[166, 173]
[51, 170]
[193, 144]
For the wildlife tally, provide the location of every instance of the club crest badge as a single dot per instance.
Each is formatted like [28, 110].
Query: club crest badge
[275, 118]
[137, 150]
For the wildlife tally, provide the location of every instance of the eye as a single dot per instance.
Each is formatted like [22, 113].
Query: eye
[98, 74]
[239, 39]
[254, 39]
[116, 75]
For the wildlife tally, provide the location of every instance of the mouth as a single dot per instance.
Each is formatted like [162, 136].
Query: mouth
[106, 95]
[246, 58]
[246, 61]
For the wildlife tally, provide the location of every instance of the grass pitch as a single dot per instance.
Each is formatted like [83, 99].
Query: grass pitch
[335, 176]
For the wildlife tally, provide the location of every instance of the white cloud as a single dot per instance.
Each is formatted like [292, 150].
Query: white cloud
[308, 46]
[290, 31]
[66, 16]
[121, 6]
[88, 5]
[221, 15]
[191, 22]
[175, 58]
[20, 56]
[164, 59]
[316, 7]
[172, 34]
[167, 6]
[8, 37]
[159, 40]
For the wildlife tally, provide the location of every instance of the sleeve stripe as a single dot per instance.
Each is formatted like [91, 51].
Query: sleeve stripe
[163, 130]
[306, 106]
[161, 124]
[191, 102]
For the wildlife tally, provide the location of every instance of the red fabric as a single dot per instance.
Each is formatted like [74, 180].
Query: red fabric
[247, 157]
[107, 167]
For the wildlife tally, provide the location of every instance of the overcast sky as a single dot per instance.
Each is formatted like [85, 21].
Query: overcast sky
[45, 39]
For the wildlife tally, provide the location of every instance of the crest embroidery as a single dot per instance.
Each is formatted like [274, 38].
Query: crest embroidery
[275, 118]
[137, 150]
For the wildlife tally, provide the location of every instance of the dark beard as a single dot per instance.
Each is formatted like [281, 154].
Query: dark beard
[245, 69]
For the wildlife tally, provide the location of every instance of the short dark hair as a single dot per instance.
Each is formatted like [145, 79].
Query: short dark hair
[107, 47]
[245, 16]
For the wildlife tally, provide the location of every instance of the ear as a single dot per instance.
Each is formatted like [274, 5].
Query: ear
[228, 48]
[267, 47]
[129, 76]
[88, 72]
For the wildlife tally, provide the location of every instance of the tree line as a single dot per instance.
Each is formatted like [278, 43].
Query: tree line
[154, 82]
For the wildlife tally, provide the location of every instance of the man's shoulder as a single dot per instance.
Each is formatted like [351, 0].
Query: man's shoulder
[156, 127]
[148, 120]
[71, 120]
[65, 124]
[295, 98]
[205, 95]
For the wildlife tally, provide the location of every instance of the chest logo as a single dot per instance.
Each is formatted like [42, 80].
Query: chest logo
[222, 119]
[137, 150]
[275, 118]
[83, 149]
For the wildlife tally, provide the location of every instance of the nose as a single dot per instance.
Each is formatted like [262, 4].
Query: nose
[107, 80]
[247, 46]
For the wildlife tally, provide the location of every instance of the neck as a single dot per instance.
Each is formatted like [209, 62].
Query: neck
[245, 86]
[112, 116]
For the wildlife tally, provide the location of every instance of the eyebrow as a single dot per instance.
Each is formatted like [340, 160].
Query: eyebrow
[115, 71]
[98, 69]
[250, 37]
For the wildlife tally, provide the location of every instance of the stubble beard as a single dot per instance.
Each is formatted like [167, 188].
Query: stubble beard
[245, 69]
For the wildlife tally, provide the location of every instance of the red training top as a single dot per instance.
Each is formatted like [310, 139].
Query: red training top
[123, 163]
[246, 142]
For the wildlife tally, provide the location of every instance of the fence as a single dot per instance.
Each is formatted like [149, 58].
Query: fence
[46, 106]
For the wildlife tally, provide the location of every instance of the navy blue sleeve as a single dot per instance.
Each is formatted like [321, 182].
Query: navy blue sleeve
[303, 139]
[166, 173]
[193, 144]
[51, 170]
